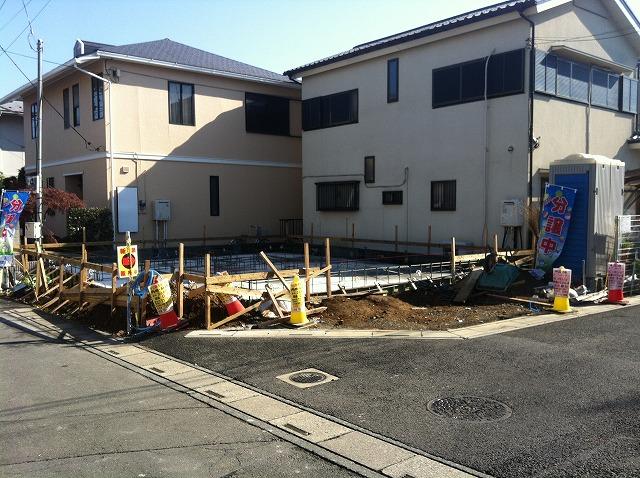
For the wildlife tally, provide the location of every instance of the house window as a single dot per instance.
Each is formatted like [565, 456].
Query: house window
[73, 183]
[214, 195]
[443, 195]
[338, 196]
[97, 99]
[332, 110]
[181, 104]
[391, 197]
[266, 114]
[50, 182]
[465, 82]
[34, 120]
[75, 92]
[369, 169]
[629, 96]
[392, 80]
[65, 108]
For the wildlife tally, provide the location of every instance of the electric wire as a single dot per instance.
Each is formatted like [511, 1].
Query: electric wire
[13, 17]
[31, 35]
[25, 28]
[88, 145]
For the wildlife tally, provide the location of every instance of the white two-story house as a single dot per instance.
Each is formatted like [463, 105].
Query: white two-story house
[436, 126]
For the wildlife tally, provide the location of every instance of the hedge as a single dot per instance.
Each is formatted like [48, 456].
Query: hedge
[96, 220]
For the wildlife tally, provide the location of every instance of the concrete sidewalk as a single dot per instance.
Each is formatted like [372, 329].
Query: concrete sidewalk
[65, 411]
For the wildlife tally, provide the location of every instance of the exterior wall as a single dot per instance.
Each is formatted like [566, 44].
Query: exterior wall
[94, 182]
[434, 144]
[567, 127]
[11, 144]
[174, 162]
[59, 143]
[448, 143]
[249, 197]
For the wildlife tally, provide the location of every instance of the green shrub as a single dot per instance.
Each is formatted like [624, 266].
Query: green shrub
[96, 220]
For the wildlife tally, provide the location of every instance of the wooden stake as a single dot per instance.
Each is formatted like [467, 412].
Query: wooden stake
[276, 306]
[275, 270]
[84, 235]
[143, 302]
[204, 235]
[180, 287]
[83, 274]
[114, 287]
[396, 237]
[429, 241]
[327, 259]
[353, 234]
[311, 238]
[207, 296]
[25, 257]
[453, 258]
[306, 272]
[495, 243]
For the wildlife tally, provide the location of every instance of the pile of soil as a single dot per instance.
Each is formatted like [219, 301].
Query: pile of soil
[414, 311]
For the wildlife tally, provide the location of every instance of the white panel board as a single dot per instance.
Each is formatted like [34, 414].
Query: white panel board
[127, 209]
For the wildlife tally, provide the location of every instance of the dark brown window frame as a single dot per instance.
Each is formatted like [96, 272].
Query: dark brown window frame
[444, 207]
[393, 96]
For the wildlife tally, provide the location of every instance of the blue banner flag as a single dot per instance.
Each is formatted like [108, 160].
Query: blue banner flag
[13, 203]
[554, 224]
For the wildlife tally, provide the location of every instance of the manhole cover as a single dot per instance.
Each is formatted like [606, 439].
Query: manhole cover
[476, 409]
[307, 377]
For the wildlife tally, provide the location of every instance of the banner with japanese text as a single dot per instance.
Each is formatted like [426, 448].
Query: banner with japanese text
[555, 218]
[13, 203]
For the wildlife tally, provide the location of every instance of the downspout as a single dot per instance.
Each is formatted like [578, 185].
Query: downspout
[532, 69]
[485, 228]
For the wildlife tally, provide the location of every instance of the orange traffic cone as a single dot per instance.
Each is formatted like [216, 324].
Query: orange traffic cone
[233, 305]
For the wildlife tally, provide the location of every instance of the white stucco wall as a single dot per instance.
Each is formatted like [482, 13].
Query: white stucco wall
[448, 143]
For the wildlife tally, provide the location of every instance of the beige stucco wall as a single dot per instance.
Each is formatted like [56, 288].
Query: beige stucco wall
[448, 143]
[434, 144]
[60, 143]
[249, 196]
[175, 161]
[11, 144]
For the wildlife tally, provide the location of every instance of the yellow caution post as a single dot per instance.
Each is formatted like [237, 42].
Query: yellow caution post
[298, 310]
[561, 285]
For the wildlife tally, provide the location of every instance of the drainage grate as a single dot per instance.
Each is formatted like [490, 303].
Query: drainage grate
[307, 377]
[475, 409]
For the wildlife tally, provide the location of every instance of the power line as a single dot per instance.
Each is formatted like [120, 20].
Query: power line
[31, 34]
[25, 28]
[5, 1]
[87, 143]
[13, 16]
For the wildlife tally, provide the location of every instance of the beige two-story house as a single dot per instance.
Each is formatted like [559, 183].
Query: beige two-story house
[216, 138]
[438, 125]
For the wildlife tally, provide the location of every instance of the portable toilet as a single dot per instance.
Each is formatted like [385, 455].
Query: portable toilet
[599, 182]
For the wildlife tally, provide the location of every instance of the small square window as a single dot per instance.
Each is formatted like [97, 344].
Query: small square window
[369, 169]
[391, 197]
[443, 195]
[50, 183]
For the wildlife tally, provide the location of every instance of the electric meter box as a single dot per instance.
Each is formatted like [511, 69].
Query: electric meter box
[161, 210]
[32, 230]
[512, 213]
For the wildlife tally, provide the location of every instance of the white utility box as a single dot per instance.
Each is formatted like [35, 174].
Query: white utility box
[161, 210]
[32, 230]
[512, 213]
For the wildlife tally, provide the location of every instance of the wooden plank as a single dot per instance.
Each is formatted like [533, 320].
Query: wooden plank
[207, 297]
[327, 259]
[306, 272]
[468, 285]
[180, 278]
[453, 258]
[517, 299]
[60, 306]
[193, 277]
[230, 290]
[114, 289]
[255, 276]
[274, 301]
[275, 270]
[241, 313]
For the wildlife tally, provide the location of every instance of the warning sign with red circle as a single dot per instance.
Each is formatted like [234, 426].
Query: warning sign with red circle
[127, 261]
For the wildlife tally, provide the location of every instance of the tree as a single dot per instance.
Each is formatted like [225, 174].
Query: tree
[53, 200]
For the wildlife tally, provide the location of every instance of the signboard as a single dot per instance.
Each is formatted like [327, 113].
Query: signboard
[615, 275]
[127, 261]
[561, 282]
[624, 224]
[13, 203]
[161, 296]
[554, 224]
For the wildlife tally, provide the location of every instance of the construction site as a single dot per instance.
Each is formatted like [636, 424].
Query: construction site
[247, 284]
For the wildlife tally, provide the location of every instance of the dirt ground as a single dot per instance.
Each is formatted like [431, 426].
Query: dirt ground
[415, 311]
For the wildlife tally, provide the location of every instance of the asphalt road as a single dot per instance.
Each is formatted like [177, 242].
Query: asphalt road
[65, 411]
[572, 387]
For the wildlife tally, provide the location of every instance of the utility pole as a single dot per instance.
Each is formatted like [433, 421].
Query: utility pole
[39, 217]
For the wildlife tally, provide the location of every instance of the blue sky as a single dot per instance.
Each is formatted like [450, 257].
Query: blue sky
[272, 34]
